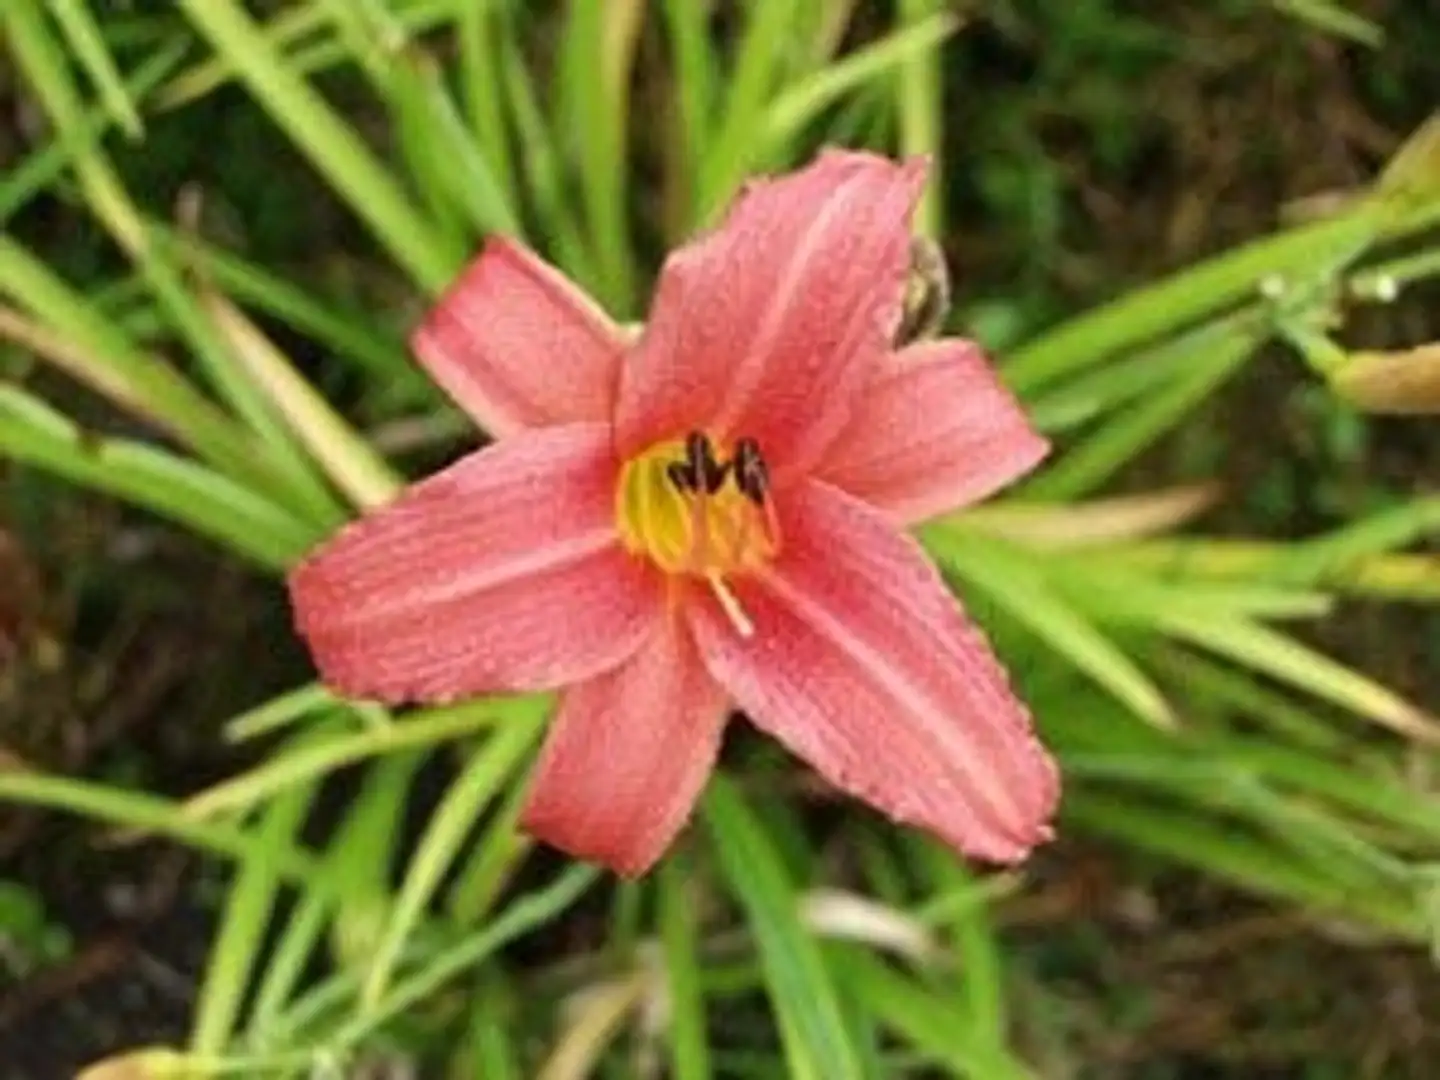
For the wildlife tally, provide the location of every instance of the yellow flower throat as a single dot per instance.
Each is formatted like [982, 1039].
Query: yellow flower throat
[695, 513]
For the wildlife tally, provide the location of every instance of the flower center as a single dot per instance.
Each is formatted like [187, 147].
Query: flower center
[693, 511]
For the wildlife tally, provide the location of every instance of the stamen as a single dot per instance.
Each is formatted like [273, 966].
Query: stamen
[752, 475]
[705, 471]
[680, 476]
[699, 533]
[730, 604]
[714, 474]
[772, 524]
[693, 512]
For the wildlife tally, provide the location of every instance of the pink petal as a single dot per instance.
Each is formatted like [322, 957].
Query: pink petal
[935, 431]
[503, 572]
[517, 345]
[628, 755]
[769, 326]
[864, 665]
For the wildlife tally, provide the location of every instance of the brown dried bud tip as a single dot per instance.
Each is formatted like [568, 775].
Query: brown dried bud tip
[1406, 382]
[927, 293]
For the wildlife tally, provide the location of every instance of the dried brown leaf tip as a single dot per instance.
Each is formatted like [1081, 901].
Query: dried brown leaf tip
[1403, 383]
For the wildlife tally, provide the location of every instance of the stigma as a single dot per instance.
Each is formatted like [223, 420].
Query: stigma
[697, 511]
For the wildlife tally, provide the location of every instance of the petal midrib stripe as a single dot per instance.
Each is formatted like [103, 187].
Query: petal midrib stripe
[869, 660]
[492, 574]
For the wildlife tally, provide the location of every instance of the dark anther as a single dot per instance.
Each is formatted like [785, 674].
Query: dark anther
[707, 471]
[702, 471]
[752, 476]
[680, 476]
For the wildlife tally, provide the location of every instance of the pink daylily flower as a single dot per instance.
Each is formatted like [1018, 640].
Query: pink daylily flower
[711, 516]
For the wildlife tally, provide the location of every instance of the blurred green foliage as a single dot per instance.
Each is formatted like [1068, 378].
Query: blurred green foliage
[235, 211]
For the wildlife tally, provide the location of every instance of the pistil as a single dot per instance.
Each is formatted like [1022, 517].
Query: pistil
[696, 512]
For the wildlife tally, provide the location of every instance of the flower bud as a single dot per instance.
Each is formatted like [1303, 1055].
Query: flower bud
[1391, 382]
[151, 1063]
[927, 293]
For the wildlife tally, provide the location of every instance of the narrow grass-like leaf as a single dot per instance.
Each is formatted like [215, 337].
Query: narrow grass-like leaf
[1225, 691]
[1333, 18]
[1322, 835]
[972, 936]
[291, 27]
[489, 1050]
[1117, 595]
[693, 54]
[1400, 526]
[185, 492]
[43, 63]
[364, 29]
[249, 903]
[296, 767]
[76, 361]
[1144, 314]
[625, 919]
[87, 45]
[1097, 522]
[1235, 854]
[1286, 659]
[370, 828]
[803, 100]
[158, 816]
[526, 914]
[493, 859]
[544, 172]
[1414, 578]
[1021, 589]
[960, 897]
[919, 100]
[592, 1024]
[685, 1032]
[753, 80]
[1410, 181]
[1306, 258]
[347, 334]
[819, 30]
[1383, 281]
[1387, 798]
[477, 25]
[1218, 784]
[1099, 391]
[924, 1020]
[489, 769]
[817, 1046]
[1099, 456]
[365, 478]
[281, 711]
[330, 144]
[465, 176]
[94, 350]
[596, 59]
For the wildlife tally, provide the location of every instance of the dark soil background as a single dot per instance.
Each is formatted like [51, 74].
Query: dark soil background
[1096, 145]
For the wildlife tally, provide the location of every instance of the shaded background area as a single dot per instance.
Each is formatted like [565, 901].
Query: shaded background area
[1095, 146]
